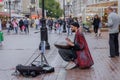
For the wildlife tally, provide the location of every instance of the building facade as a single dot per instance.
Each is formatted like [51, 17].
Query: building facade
[13, 6]
[1, 5]
[88, 8]
[32, 9]
[99, 7]
[78, 7]
[21, 7]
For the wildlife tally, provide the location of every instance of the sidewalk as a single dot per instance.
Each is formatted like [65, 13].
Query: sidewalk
[104, 68]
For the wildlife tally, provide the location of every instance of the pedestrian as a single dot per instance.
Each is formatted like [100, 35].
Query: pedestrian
[26, 24]
[96, 22]
[15, 25]
[1, 37]
[78, 54]
[69, 21]
[1, 33]
[50, 24]
[60, 22]
[37, 22]
[99, 28]
[80, 21]
[21, 25]
[113, 25]
[8, 26]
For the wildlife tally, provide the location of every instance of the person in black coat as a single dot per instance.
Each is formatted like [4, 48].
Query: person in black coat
[21, 23]
[96, 22]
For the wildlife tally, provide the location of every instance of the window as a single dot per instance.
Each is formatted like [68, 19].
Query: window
[32, 1]
[33, 9]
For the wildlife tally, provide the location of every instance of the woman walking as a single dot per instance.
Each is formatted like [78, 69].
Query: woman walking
[96, 22]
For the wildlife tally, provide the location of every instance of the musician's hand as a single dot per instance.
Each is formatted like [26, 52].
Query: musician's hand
[69, 42]
[67, 39]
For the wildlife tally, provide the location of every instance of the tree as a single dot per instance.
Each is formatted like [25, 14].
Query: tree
[52, 8]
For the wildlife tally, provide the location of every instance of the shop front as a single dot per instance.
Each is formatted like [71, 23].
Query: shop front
[100, 9]
[4, 17]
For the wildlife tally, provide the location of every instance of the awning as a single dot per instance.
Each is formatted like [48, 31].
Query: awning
[16, 15]
[4, 14]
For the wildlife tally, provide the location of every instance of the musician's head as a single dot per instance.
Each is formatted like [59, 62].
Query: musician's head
[74, 26]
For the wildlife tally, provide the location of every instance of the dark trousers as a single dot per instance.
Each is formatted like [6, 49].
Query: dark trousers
[114, 44]
[26, 28]
[96, 29]
[67, 55]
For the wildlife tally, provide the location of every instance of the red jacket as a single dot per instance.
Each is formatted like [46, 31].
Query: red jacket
[84, 59]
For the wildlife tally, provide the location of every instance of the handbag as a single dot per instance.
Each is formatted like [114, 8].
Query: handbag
[23, 27]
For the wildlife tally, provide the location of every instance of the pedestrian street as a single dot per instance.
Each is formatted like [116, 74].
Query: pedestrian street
[17, 49]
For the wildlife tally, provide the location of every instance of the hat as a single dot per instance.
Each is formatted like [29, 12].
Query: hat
[75, 24]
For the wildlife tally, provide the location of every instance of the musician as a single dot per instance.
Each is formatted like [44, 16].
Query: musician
[78, 46]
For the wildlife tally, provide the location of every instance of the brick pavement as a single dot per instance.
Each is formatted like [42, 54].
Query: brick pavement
[104, 68]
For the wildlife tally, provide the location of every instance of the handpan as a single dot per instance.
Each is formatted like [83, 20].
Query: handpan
[61, 45]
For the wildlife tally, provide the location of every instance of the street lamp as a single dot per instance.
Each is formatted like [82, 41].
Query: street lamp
[9, 9]
[44, 33]
[64, 25]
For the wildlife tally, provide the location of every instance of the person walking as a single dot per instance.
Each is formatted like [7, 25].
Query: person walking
[113, 25]
[99, 28]
[15, 25]
[78, 54]
[37, 22]
[69, 21]
[96, 22]
[8, 26]
[26, 24]
[1, 33]
[21, 24]
[50, 24]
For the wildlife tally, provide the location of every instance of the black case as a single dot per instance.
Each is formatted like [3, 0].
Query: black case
[34, 70]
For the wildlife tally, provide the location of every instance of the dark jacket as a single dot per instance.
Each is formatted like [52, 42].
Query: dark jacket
[96, 21]
[21, 23]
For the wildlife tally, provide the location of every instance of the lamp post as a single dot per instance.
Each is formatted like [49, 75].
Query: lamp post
[9, 9]
[30, 7]
[64, 25]
[44, 33]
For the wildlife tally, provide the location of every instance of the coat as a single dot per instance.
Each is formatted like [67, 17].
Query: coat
[84, 58]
